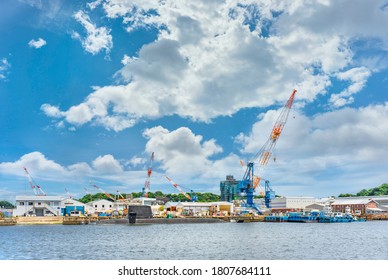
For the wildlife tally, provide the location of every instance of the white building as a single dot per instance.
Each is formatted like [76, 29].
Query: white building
[102, 206]
[296, 202]
[144, 201]
[38, 205]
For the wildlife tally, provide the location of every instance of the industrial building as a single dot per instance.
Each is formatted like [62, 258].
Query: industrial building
[361, 205]
[73, 207]
[144, 201]
[102, 206]
[287, 203]
[37, 205]
[199, 208]
[229, 189]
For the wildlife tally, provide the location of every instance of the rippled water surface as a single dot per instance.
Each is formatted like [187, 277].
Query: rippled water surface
[279, 241]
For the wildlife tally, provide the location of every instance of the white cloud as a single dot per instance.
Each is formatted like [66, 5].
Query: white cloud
[37, 44]
[34, 162]
[349, 144]
[126, 59]
[94, 4]
[97, 39]
[51, 111]
[181, 151]
[107, 165]
[136, 161]
[215, 58]
[4, 68]
[358, 77]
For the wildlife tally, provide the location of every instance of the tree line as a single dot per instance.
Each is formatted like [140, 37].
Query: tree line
[202, 197]
[381, 190]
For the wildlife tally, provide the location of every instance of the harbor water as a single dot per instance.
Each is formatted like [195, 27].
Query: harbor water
[220, 241]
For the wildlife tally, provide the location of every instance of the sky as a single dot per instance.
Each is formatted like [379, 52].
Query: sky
[89, 89]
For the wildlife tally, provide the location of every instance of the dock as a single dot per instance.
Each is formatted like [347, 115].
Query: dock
[7, 222]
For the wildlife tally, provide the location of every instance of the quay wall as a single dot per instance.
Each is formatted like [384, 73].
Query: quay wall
[39, 220]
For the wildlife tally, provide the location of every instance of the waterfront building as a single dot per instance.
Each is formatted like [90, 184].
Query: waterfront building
[120, 205]
[357, 205]
[69, 204]
[200, 208]
[229, 189]
[144, 201]
[315, 206]
[291, 202]
[102, 206]
[35, 205]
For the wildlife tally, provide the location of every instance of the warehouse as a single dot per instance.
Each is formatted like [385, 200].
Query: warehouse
[360, 206]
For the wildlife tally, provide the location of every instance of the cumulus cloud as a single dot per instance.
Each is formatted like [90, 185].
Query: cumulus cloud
[136, 161]
[37, 44]
[215, 58]
[340, 143]
[4, 68]
[97, 38]
[181, 151]
[51, 111]
[38, 164]
[107, 164]
[358, 77]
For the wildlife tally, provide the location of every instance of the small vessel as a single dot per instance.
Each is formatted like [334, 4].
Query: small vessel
[324, 216]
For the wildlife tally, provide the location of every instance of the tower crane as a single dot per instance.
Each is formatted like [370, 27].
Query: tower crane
[146, 188]
[192, 198]
[250, 181]
[35, 188]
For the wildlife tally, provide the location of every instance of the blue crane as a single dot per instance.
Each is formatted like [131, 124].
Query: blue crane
[250, 181]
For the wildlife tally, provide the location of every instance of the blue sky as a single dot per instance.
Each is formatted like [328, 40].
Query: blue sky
[89, 89]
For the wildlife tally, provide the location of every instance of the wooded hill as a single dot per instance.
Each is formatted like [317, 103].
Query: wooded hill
[381, 190]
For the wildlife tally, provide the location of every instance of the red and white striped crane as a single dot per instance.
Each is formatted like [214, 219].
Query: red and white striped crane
[35, 188]
[146, 188]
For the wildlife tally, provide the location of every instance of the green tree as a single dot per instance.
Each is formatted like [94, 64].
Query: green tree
[6, 204]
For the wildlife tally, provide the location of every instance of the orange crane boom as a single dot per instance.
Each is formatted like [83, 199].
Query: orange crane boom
[265, 153]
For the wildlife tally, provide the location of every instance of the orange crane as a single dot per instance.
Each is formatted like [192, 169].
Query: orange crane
[146, 188]
[250, 181]
[35, 188]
